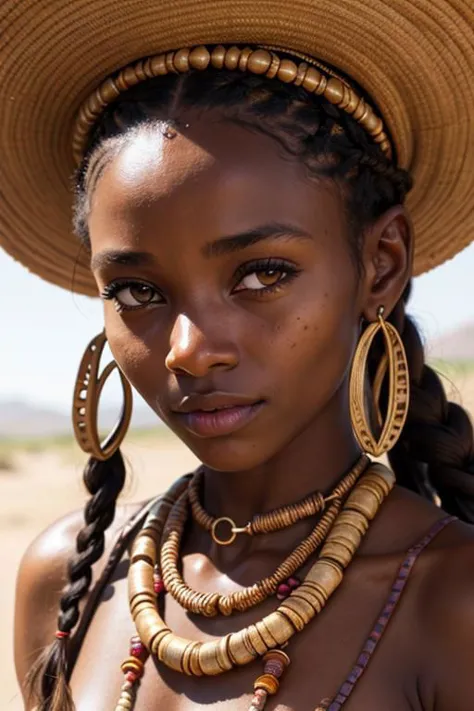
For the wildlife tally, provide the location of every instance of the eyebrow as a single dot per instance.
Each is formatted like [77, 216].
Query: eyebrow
[234, 243]
[224, 245]
[112, 257]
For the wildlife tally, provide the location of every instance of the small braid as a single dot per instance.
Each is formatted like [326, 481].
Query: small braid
[48, 679]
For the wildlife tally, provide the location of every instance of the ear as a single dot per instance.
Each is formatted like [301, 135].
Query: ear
[388, 261]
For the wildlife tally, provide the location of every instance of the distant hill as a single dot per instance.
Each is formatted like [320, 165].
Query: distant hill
[20, 419]
[454, 346]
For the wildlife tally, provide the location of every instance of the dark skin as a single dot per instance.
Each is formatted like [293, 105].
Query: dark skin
[201, 327]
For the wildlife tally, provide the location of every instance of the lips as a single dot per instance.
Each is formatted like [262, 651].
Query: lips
[216, 414]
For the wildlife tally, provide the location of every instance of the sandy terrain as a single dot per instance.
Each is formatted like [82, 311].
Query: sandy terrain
[44, 486]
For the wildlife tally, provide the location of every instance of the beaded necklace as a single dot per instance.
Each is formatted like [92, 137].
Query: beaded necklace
[348, 524]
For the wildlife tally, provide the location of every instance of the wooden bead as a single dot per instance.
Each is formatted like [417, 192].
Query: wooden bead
[140, 72]
[186, 661]
[222, 654]
[312, 598]
[257, 642]
[365, 502]
[218, 56]
[266, 635]
[259, 61]
[338, 552]
[181, 60]
[199, 58]
[304, 609]
[208, 659]
[354, 101]
[312, 80]
[109, 91]
[239, 654]
[194, 664]
[158, 65]
[334, 91]
[315, 593]
[280, 655]
[325, 575]
[169, 63]
[232, 57]
[268, 682]
[294, 617]
[273, 68]
[130, 77]
[143, 549]
[171, 651]
[287, 71]
[244, 58]
[157, 636]
[301, 74]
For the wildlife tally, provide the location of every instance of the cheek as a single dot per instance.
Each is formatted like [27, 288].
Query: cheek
[132, 352]
[315, 343]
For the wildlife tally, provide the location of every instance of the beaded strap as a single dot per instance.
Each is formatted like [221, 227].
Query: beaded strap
[309, 74]
[389, 608]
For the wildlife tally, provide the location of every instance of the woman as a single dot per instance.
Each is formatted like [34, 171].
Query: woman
[242, 212]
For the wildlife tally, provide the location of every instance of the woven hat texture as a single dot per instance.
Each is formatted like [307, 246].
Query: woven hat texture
[415, 58]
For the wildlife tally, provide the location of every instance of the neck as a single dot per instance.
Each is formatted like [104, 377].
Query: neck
[315, 460]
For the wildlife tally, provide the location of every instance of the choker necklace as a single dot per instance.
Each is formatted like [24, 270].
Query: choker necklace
[210, 605]
[275, 520]
[342, 536]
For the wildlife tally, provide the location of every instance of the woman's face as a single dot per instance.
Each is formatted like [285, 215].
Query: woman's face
[235, 302]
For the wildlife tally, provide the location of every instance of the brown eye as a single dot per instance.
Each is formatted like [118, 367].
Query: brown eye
[141, 293]
[132, 296]
[269, 276]
[261, 279]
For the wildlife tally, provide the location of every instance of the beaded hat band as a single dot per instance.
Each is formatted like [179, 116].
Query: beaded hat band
[318, 80]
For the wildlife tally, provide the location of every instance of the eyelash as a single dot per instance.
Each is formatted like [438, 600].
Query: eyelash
[289, 270]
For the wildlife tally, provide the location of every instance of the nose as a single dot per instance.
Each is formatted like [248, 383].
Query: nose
[195, 352]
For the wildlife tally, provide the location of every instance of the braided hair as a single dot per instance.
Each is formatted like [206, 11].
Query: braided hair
[435, 453]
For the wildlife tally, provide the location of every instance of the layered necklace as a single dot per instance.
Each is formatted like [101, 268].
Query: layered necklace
[343, 518]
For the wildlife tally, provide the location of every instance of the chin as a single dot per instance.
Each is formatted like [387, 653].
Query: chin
[228, 454]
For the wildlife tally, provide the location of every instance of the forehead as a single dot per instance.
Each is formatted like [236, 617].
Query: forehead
[214, 173]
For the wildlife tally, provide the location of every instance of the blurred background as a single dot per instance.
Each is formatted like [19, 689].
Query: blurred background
[44, 333]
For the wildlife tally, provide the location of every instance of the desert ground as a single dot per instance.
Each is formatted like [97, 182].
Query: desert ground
[41, 481]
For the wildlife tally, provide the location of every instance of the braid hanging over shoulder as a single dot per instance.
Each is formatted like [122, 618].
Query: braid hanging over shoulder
[48, 678]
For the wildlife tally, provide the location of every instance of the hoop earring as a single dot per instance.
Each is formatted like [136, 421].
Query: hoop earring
[395, 361]
[87, 390]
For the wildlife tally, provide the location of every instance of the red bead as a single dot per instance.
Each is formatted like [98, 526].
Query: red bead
[158, 586]
[283, 591]
[131, 677]
[293, 582]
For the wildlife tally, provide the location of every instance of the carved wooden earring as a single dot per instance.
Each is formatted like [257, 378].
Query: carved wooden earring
[395, 362]
[87, 391]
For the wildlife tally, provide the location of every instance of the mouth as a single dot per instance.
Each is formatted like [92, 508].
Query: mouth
[216, 414]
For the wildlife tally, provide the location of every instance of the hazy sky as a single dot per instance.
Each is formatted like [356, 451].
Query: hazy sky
[45, 329]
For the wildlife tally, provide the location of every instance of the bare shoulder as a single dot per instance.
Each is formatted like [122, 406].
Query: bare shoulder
[446, 616]
[41, 578]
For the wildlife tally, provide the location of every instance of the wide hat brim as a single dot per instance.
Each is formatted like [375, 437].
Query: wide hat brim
[415, 58]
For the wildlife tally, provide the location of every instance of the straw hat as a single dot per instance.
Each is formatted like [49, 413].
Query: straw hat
[415, 58]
